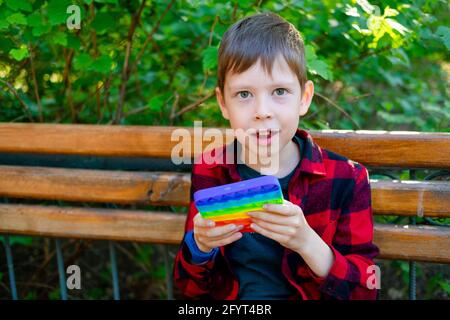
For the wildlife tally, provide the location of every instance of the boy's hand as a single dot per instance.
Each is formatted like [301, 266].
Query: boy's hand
[208, 237]
[284, 223]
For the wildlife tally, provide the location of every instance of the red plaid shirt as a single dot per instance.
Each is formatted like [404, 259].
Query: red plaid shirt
[334, 194]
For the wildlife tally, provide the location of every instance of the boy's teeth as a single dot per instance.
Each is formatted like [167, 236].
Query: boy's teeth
[265, 133]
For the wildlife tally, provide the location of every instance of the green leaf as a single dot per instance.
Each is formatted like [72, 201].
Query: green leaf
[54, 294]
[310, 53]
[40, 30]
[15, 5]
[445, 285]
[5, 46]
[159, 273]
[397, 26]
[82, 61]
[389, 12]
[22, 240]
[315, 65]
[395, 118]
[57, 11]
[103, 21]
[351, 11]
[443, 32]
[19, 54]
[210, 58]
[3, 24]
[35, 19]
[32, 295]
[102, 64]
[60, 38]
[107, 1]
[157, 102]
[73, 42]
[321, 68]
[17, 18]
[365, 32]
[366, 6]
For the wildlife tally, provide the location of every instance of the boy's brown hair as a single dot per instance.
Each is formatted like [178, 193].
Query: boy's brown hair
[264, 36]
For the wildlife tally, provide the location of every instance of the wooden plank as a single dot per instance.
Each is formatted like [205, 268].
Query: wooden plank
[371, 148]
[407, 242]
[92, 223]
[421, 243]
[101, 140]
[158, 188]
[409, 198]
[402, 149]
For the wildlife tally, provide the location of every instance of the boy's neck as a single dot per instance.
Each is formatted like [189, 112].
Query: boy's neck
[289, 157]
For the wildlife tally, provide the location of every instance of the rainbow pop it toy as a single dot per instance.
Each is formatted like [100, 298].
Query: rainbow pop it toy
[230, 203]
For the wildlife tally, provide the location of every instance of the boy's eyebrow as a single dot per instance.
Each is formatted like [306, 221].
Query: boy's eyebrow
[276, 84]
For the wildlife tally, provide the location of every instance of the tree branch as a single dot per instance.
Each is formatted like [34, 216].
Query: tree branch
[25, 107]
[174, 107]
[126, 68]
[150, 35]
[35, 84]
[332, 103]
[192, 105]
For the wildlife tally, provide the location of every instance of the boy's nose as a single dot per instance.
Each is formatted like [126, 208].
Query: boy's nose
[263, 109]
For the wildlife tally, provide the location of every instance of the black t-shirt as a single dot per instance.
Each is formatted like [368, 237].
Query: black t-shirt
[256, 259]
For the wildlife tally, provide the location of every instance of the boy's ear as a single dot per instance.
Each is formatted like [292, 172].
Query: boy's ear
[221, 102]
[307, 96]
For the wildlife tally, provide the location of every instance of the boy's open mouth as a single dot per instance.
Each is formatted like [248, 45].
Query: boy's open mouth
[265, 136]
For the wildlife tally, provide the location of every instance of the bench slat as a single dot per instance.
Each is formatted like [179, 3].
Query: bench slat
[409, 242]
[372, 148]
[92, 223]
[84, 185]
[409, 198]
[421, 243]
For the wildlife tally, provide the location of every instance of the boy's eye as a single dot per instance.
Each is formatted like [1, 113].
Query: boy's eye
[280, 91]
[243, 94]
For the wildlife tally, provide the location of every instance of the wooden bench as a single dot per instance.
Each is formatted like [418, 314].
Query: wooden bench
[168, 187]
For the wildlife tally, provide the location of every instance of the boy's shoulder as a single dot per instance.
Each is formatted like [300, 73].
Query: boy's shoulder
[334, 165]
[341, 167]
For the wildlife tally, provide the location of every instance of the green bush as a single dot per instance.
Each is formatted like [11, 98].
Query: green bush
[380, 65]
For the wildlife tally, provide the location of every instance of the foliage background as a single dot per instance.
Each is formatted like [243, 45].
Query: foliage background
[378, 65]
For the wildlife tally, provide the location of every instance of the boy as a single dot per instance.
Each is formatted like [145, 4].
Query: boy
[318, 243]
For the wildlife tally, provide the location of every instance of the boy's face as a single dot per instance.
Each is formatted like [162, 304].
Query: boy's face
[253, 100]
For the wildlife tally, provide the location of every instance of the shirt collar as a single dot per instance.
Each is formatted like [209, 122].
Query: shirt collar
[311, 157]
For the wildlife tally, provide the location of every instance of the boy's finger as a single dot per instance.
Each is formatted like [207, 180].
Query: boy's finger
[276, 228]
[220, 231]
[284, 209]
[201, 222]
[272, 218]
[223, 236]
[234, 237]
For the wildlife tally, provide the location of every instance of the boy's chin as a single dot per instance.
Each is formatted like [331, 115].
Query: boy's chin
[265, 155]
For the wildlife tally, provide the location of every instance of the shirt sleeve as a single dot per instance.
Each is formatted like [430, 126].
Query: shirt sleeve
[197, 256]
[352, 246]
[212, 278]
